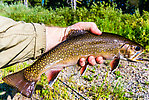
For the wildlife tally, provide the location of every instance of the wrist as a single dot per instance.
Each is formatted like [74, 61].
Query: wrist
[54, 36]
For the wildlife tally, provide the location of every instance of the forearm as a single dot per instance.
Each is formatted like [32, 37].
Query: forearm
[20, 41]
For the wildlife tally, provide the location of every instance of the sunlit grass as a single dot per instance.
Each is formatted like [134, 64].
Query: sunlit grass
[59, 91]
[12, 69]
[108, 19]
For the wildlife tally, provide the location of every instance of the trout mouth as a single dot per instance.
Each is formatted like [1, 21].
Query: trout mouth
[142, 59]
[135, 57]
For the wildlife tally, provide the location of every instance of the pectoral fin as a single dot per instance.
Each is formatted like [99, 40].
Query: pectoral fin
[83, 69]
[114, 63]
[52, 75]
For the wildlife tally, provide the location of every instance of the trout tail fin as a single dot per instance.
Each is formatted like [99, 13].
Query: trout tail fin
[18, 81]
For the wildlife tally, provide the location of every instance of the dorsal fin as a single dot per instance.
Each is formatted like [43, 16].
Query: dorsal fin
[74, 33]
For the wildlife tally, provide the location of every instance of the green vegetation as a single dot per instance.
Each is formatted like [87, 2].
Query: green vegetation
[59, 91]
[107, 18]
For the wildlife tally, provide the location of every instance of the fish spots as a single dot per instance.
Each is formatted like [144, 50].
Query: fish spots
[29, 74]
[43, 64]
[72, 49]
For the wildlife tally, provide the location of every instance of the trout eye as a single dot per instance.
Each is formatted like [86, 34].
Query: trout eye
[137, 48]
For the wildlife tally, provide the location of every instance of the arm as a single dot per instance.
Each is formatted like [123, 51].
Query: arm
[21, 41]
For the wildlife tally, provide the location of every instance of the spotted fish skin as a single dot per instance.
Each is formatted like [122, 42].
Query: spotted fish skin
[78, 44]
[68, 52]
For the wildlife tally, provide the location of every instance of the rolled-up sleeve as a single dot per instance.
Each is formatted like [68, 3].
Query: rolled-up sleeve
[20, 41]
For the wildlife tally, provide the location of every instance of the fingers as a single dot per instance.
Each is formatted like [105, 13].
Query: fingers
[92, 60]
[82, 61]
[94, 29]
[91, 26]
[99, 60]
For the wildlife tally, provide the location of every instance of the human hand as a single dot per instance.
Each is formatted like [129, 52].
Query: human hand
[55, 35]
[92, 27]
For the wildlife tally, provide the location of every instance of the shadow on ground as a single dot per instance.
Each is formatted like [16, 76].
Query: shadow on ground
[6, 90]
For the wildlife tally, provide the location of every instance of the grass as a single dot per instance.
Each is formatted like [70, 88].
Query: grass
[59, 91]
[107, 18]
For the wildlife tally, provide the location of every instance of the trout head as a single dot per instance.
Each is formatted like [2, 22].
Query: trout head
[131, 51]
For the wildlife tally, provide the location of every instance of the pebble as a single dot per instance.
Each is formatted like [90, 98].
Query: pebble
[133, 78]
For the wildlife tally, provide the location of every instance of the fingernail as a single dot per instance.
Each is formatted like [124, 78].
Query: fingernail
[82, 62]
[95, 30]
[99, 32]
[99, 60]
[91, 60]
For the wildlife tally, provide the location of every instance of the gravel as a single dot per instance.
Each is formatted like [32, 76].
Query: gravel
[132, 76]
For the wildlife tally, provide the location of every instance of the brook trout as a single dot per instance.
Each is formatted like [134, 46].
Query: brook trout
[79, 44]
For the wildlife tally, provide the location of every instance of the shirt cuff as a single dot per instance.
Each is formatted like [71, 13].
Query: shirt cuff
[40, 39]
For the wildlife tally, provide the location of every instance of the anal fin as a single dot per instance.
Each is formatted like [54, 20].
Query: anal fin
[52, 75]
[114, 63]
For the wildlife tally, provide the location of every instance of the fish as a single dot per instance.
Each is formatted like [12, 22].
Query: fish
[79, 43]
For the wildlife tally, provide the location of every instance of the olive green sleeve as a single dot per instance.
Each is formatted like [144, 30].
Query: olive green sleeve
[20, 41]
